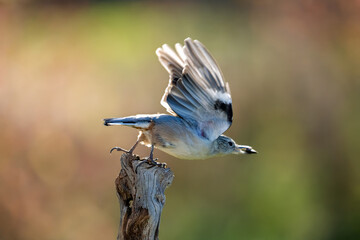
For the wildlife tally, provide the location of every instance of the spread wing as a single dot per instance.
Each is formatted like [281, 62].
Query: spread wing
[196, 91]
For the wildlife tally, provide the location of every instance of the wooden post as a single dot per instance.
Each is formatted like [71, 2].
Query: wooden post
[141, 198]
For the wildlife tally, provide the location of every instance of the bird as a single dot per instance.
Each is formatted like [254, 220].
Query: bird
[199, 104]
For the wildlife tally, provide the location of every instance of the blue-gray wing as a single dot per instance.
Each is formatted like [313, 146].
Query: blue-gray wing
[196, 91]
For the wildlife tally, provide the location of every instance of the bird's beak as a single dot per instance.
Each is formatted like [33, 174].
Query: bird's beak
[244, 149]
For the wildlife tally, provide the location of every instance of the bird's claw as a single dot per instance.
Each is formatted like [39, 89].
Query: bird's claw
[119, 149]
[162, 165]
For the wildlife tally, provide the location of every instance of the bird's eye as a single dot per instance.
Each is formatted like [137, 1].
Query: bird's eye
[230, 143]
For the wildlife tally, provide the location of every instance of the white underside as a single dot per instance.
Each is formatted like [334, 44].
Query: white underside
[189, 148]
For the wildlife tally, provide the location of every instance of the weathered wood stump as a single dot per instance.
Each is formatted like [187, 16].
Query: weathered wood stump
[141, 198]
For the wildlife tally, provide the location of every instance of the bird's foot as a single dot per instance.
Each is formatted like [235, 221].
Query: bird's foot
[151, 162]
[120, 149]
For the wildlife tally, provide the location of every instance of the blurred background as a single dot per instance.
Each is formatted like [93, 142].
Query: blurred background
[294, 73]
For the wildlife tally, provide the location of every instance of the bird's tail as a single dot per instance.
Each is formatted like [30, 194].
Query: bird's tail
[138, 121]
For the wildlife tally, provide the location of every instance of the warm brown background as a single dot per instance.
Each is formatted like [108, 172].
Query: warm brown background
[294, 73]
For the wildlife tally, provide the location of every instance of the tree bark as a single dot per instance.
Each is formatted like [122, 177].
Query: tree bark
[141, 198]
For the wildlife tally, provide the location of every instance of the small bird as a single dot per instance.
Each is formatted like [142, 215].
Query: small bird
[200, 105]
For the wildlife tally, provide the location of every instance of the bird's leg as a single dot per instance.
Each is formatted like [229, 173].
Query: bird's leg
[153, 161]
[140, 138]
[150, 160]
[133, 147]
[151, 156]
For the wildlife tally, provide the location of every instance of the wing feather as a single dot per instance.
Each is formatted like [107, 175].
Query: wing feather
[196, 91]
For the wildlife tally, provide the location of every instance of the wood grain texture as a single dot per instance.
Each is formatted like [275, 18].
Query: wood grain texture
[141, 197]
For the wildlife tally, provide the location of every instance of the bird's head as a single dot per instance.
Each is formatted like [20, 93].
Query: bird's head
[224, 145]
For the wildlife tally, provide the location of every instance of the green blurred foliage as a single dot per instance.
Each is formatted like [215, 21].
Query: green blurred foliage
[293, 69]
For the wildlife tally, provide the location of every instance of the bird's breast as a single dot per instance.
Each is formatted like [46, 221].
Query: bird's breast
[185, 146]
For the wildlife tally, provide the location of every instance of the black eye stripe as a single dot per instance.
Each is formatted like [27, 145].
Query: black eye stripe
[230, 143]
